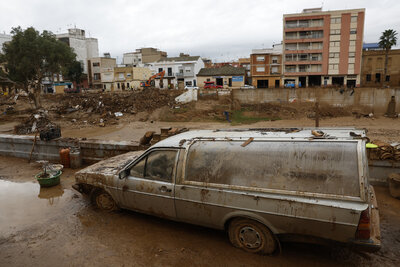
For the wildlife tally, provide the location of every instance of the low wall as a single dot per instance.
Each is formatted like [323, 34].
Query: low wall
[369, 100]
[92, 151]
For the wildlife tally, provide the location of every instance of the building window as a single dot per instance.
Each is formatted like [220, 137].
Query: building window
[118, 86]
[335, 32]
[315, 57]
[290, 68]
[377, 77]
[188, 83]
[208, 80]
[260, 58]
[333, 55]
[335, 43]
[274, 69]
[274, 59]
[336, 20]
[121, 75]
[387, 78]
[333, 66]
[187, 70]
[353, 31]
[353, 18]
[128, 74]
[352, 43]
[303, 57]
[260, 69]
[351, 66]
[160, 69]
[169, 71]
[96, 64]
[303, 68]
[96, 76]
[352, 54]
[368, 78]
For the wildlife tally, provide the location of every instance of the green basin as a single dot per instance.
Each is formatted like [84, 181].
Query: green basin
[51, 181]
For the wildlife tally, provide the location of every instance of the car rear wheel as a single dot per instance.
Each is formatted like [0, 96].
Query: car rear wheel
[103, 201]
[251, 236]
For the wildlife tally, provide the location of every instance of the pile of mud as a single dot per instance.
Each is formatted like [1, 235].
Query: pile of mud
[39, 122]
[109, 103]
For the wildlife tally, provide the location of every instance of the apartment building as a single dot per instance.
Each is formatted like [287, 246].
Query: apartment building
[129, 78]
[142, 57]
[245, 63]
[323, 48]
[84, 47]
[373, 68]
[266, 67]
[97, 67]
[4, 38]
[179, 71]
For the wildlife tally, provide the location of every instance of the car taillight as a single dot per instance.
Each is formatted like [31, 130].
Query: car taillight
[364, 226]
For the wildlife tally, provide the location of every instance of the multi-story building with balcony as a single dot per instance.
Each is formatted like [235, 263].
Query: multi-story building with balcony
[323, 47]
[143, 57]
[99, 67]
[266, 67]
[179, 71]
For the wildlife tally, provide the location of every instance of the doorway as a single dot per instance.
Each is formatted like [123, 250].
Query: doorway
[277, 83]
[219, 81]
[314, 80]
[302, 81]
[337, 81]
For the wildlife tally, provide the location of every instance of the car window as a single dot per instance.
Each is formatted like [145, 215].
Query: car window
[160, 165]
[138, 169]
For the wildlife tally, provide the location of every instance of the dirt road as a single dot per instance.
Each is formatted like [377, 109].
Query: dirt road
[58, 227]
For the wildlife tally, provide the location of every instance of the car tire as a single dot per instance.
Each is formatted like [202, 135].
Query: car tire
[252, 236]
[103, 201]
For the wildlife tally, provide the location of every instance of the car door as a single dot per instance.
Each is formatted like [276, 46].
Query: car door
[149, 187]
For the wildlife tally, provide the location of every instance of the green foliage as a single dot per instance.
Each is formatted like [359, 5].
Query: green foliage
[239, 118]
[31, 56]
[388, 39]
[73, 72]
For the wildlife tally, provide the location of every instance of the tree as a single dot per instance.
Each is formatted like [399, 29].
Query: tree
[74, 72]
[387, 40]
[31, 56]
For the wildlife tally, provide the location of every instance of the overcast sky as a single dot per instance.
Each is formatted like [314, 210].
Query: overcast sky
[217, 29]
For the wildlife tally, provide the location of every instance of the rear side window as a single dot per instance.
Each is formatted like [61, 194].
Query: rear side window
[316, 167]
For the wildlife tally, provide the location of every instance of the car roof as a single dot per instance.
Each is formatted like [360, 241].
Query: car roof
[184, 139]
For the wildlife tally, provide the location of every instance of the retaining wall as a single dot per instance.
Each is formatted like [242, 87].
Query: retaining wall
[92, 151]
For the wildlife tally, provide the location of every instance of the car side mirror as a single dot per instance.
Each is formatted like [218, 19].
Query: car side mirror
[123, 174]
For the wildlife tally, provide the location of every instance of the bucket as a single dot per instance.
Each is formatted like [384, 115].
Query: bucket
[64, 157]
[75, 158]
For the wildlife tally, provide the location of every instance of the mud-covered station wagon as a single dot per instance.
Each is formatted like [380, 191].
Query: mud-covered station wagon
[262, 186]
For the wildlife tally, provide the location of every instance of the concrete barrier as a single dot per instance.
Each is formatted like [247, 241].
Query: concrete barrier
[368, 100]
[20, 146]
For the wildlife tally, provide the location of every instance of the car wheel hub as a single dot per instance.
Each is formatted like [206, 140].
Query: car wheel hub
[249, 237]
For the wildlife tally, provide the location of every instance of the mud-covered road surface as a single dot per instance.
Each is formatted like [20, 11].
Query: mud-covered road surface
[58, 227]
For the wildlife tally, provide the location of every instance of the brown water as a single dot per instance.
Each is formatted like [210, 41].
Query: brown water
[24, 204]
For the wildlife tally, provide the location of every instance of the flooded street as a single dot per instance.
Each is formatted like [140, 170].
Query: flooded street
[58, 226]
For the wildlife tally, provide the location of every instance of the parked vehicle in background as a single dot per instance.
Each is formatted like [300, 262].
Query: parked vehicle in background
[261, 186]
[290, 84]
[211, 85]
[191, 87]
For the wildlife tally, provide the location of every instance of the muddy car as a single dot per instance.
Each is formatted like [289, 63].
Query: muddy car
[262, 186]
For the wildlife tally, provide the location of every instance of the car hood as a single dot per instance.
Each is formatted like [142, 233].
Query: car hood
[103, 172]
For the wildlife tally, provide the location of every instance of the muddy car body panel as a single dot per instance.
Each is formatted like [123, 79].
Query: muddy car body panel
[289, 180]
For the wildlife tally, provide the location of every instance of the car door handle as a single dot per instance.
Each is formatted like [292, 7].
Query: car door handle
[164, 189]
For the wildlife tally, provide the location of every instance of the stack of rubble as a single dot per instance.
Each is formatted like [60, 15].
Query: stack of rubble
[38, 122]
[385, 151]
[150, 138]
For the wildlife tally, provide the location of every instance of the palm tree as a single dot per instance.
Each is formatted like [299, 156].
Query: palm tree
[387, 40]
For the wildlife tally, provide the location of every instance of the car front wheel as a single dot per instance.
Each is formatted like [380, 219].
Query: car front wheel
[104, 201]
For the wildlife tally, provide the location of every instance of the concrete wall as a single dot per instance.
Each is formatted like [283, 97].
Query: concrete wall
[373, 100]
[91, 150]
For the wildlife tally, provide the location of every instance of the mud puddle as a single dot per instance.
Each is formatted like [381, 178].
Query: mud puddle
[26, 204]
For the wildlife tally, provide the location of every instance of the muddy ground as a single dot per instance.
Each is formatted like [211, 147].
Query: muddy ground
[59, 227]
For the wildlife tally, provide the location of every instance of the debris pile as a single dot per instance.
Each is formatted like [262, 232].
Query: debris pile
[385, 151]
[39, 122]
[115, 104]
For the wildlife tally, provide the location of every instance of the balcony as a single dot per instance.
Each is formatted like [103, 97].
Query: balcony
[184, 74]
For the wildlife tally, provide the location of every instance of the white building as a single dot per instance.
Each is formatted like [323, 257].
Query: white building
[179, 71]
[84, 48]
[133, 59]
[4, 38]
